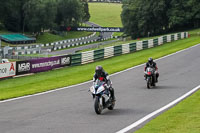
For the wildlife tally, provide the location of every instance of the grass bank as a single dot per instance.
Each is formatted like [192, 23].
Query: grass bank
[48, 37]
[106, 14]
[183, 118]
[72, 75]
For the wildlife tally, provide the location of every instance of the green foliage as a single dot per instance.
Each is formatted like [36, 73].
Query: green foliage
[74, 11]
[39, 15]
[184, 13]
[86, 15]
[149, 17]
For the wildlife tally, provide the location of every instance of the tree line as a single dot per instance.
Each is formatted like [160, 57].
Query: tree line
[38, 15]
[105, 0]
[142, 18]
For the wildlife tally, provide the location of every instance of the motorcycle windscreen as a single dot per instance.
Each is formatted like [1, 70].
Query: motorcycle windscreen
[92, 89]
[100, 89]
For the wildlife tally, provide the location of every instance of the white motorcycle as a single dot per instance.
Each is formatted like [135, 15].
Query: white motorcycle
[102, 97]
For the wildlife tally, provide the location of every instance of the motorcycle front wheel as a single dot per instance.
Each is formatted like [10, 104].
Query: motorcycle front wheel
[97, 106]
[148, 82]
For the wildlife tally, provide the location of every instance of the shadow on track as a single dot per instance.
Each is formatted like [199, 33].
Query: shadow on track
[118, 112]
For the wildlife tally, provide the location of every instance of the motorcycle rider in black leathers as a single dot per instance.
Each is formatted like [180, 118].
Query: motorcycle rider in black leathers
[102, 75]
[152, 64]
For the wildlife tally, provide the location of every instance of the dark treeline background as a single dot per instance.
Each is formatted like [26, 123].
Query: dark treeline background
[105, 0]
[142, 18]
[38, 15]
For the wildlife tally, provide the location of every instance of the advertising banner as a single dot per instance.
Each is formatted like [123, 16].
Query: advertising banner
[7, 69]
[93, 29]
[23, 67]
[65, 60]
[43, 64]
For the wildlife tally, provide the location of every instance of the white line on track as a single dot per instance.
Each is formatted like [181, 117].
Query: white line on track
[13, 99]
[149, 116]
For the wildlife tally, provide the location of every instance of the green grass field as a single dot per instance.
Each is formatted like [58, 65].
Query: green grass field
[106, 14]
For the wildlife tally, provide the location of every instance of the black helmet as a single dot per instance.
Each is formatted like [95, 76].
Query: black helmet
[99, 70]
[150, 60]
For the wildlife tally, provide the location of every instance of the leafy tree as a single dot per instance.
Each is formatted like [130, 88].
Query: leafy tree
[34, 13]
[38, 15]
[86, 14]
[10, 14]
[184, 13]
[151, 17]
[70, 12]
[129, 15]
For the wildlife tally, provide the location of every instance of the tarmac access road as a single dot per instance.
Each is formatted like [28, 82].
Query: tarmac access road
[71, 110]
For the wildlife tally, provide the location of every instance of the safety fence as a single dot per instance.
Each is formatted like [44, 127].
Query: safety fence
[36, 49]
[11, 69]
[107, 52]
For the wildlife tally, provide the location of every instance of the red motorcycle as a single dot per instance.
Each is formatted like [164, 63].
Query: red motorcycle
[150, 77]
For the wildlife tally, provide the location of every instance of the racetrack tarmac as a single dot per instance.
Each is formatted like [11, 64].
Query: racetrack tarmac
[71, 110]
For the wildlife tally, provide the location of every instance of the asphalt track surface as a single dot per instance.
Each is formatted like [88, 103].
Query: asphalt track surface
[71, 110]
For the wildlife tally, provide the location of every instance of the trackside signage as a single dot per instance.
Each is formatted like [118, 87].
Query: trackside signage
[23, 67]
[43, 64]
[93, 29]
[7, 69]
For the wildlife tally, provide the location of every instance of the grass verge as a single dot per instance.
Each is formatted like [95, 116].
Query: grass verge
[183, 118]
[72, 75]
[48, 37]
[106, 14]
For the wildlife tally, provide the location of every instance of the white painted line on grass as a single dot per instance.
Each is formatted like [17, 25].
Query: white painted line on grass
[149, 116]
[91, 80]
